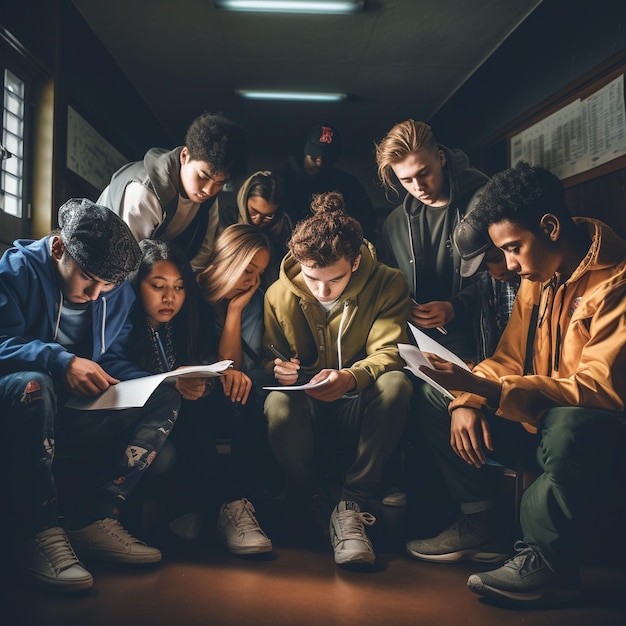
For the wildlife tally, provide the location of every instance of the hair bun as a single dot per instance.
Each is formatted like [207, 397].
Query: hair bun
[328, 202]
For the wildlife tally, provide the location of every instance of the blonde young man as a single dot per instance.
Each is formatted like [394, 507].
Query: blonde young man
[416, 237]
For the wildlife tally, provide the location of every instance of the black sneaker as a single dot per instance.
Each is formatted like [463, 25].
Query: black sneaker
[527, 577]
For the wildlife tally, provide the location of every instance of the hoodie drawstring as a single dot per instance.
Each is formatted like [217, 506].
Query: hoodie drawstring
[102, 328]
[58, 321]
[344, 314]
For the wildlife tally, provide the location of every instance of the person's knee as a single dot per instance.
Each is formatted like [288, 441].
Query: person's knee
[395, 387]
[568, 436]
[280, 410]
[428, 409]
[35, 387]
[166, 400]
[30, 396]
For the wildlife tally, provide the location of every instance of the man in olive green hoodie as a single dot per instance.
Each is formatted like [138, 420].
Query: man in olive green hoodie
[337, 315]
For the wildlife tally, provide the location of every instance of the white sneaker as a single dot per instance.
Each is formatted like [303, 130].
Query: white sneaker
[238, 528]
[108, 540]
[49, 561]
[347, 534]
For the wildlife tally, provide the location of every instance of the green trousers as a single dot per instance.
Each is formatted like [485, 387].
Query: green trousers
[574, 452]
[370, 424]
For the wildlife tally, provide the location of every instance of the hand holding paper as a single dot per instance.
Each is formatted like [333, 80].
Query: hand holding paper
[445, 370]
[135, 393]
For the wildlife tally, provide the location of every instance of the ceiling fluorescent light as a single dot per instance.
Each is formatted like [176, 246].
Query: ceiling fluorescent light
[336, 7]
[305, 96]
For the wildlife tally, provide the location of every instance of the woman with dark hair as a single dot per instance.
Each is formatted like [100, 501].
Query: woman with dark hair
[167, 334]
[260, 202]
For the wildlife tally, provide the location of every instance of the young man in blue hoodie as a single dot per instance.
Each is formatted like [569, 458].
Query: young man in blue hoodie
[63, 301]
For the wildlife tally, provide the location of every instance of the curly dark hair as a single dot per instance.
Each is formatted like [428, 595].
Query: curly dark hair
[522, 195]
[218, 141]
[329, 235]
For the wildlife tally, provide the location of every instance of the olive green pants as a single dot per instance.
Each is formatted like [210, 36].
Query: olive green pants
[574, 454]
[370, 423]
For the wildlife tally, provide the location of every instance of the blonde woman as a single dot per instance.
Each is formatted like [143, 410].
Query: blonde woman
[230, 284]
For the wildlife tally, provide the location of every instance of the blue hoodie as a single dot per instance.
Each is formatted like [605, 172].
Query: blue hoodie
[30, 309]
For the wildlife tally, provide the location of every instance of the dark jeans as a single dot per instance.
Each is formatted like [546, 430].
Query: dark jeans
[203, 421]
[35, 425]
[574, 451]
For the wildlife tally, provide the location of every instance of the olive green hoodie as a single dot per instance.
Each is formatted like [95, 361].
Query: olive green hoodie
[360, 334]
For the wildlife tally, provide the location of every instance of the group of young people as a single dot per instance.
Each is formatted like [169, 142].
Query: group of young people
[156, 275]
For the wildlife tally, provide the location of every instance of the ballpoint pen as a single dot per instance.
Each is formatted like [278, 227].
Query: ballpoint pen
[442, 330]
[278, 354]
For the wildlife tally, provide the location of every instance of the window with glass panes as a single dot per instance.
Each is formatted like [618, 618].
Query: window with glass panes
[12, 162]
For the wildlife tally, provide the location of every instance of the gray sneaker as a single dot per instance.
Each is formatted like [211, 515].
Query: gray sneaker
[108, 540]
[50, 563]
[239, 530]
[347, 535]
[527, 577]
[469, 538]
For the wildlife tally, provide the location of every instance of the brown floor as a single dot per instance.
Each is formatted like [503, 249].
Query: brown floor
[198, 583]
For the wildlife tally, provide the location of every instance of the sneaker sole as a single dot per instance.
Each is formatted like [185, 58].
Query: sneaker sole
[44, 583]
[262, 548]
[460, 555]
[112, 557]
[361, 558]
[476, 585]
[239, 550]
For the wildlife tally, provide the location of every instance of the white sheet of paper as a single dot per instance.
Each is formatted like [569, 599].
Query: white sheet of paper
[428, 344]
[135, 393]
[414, 358]
[299, 387]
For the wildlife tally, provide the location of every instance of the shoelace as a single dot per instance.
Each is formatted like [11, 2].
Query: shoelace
[527, 559]
[241, 513]
[117, 531]
[56, 548]
[351, 524]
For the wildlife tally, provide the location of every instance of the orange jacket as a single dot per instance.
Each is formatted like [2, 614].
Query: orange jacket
[586, 365]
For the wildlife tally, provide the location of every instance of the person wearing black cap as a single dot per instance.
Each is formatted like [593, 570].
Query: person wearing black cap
[489, 298]
[551, 399]
[64, 299]
[315, 173]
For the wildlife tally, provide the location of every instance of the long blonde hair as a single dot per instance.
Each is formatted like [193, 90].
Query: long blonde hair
[234, 248]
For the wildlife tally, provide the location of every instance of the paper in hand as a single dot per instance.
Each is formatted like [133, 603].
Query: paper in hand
[298, 387]
[135, 393]
[414, 357]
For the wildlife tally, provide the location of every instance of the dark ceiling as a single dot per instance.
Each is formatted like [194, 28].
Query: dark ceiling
[397, 59]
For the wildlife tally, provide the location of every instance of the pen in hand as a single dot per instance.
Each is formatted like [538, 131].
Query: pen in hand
[277, 353]
[442, 330]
